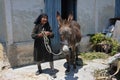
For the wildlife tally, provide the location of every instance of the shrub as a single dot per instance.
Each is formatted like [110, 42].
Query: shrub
[100, 38]
[97, 38]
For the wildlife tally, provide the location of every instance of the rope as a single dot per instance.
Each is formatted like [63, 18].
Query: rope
[47, 46]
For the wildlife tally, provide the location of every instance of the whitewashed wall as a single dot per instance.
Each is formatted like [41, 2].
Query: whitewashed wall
[24, 12]
[93, 15]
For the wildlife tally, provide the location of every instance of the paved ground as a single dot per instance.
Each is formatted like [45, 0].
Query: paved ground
[28, 72]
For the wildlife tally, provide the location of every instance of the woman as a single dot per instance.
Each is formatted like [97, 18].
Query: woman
[40, 51]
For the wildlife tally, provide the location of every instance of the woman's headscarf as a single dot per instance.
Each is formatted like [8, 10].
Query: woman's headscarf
[37, 21]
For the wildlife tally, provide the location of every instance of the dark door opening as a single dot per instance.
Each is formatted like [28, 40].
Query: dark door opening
[117, 8]
[68, 6]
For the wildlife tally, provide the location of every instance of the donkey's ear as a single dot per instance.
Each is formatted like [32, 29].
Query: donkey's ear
[58, 14]
[59, 19]
[70, 17]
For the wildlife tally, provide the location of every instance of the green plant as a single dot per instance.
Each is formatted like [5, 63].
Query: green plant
[100, 38]
[115, 47]
[97, 38]
[93, 55]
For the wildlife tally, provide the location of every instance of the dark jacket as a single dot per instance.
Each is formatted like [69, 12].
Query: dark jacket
[40, 52]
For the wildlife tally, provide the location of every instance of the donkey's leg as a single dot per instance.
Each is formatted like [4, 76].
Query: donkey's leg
[74, 61]
[68, 63]
[76, 52]
[73, 56]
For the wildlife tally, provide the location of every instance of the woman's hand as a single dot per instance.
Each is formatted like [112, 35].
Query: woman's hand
[40, 35]
[47, 33]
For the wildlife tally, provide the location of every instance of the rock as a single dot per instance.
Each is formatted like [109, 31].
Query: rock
[112, 59]
[4, 63]
[1, 52]
[116, 31]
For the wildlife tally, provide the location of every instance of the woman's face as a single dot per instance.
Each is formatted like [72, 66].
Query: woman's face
[44, 20]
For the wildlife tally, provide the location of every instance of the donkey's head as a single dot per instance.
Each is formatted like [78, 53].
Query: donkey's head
[65, 29]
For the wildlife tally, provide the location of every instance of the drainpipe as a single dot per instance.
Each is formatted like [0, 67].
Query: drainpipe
[8, 23]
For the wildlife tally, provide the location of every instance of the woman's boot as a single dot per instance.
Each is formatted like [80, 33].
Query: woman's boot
[39, 68]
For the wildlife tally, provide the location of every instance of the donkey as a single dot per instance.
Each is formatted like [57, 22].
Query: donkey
[70, 35]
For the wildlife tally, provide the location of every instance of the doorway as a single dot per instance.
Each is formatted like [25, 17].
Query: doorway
[68, 6]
